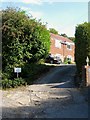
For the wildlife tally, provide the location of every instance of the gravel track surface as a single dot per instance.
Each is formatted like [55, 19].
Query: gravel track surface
[51, 96]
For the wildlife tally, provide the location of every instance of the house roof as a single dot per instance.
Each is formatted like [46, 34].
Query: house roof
[63, 39]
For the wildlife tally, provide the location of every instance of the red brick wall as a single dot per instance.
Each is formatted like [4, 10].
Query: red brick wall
[63, 50]
[55, 50]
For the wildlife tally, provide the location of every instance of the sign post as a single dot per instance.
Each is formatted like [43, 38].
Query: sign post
[17, 70]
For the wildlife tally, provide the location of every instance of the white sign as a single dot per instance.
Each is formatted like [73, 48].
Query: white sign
[17, 70]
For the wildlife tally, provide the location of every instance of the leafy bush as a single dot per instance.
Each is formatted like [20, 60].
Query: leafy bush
[18, 81]
[6, 83]
[31, 72]
[24, 41]
[82, 46]
[52, 30]
[67, 60]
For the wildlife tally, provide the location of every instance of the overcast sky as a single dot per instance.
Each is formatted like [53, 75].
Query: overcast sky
[63, 16]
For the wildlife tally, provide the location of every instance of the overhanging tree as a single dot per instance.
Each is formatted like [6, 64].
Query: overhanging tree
[52, 30]
[24, 40]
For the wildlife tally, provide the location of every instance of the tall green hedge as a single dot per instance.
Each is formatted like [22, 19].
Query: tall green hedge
[24, 40]
[82, 45]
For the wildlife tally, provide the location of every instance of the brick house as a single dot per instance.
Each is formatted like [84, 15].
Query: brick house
[61, 47]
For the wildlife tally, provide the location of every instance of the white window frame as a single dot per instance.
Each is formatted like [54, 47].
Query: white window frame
[57, 43]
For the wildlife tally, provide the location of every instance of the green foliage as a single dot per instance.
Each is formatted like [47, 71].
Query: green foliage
[7, 83]
[82, 45]
[18, 81]
[72, 38]
[52, 30]
[67, 60]
[24, 40]
[64, 35]
[31, 72]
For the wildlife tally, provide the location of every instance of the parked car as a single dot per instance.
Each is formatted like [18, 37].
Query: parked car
[53, 60]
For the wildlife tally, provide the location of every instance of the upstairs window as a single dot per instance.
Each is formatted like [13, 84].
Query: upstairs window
[69, 47]
[57, 43]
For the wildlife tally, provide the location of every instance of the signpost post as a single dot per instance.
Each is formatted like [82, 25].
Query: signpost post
[17, 70]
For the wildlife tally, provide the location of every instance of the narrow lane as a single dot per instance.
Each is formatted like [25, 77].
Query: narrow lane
[61, 74]
[53, 96]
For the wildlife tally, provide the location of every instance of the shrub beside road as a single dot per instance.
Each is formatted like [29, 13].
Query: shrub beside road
[25, 41]
[29, 74]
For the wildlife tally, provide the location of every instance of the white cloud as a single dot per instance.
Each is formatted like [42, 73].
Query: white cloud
[25, 8]
[69, 30]
[35, 14]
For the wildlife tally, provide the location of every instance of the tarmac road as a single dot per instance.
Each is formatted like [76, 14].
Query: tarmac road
[52, 96]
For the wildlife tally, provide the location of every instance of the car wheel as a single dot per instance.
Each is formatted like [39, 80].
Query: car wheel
[51, 61]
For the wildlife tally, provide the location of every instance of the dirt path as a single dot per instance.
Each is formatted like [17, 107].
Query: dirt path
[53, 96]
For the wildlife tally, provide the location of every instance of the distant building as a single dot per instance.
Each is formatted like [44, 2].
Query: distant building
[62, 47]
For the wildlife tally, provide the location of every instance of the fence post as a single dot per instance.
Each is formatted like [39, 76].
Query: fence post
[87, 75]
[87, 72]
